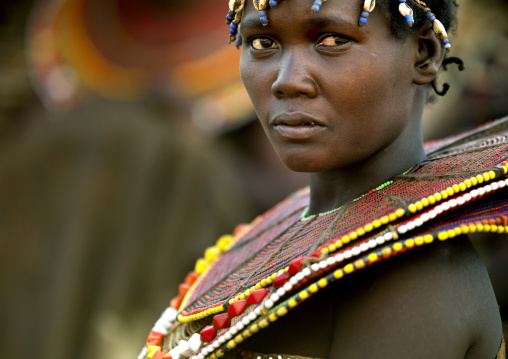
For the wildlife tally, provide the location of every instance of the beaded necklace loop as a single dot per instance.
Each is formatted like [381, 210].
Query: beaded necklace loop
[454, 202]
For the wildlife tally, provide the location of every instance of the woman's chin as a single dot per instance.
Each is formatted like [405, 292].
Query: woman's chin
[300, 164]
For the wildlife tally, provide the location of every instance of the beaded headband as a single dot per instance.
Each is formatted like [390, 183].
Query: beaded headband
[234, 16]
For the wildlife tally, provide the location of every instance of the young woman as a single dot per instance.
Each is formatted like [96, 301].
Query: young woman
[358, 265]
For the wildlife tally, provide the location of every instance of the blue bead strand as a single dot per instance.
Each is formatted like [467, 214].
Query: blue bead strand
[431, 16]
[238, 41]
[317, 5]
[263, 18]
[230, 17]
[446, 44]
[363, 18]
[410, 20]
[233, 29]
[273, 3]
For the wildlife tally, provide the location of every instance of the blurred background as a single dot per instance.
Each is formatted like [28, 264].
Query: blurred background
[128, 145]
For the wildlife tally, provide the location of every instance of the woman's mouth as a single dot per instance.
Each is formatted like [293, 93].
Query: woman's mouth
[296, 125]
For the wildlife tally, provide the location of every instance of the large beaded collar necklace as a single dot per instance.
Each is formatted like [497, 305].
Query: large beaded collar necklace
[267, 268]
[234, 16]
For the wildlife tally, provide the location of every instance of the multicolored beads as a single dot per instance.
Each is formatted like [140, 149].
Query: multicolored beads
[280, 292]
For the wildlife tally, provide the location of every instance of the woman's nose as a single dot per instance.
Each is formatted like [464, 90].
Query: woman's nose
[294, 78]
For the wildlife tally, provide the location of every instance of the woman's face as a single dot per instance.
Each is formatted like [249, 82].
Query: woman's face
[328, 92]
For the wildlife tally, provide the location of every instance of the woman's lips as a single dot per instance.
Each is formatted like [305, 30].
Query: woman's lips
[296, 125]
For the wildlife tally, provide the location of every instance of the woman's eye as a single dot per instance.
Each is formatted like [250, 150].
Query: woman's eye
[333, 40]
[264, 43]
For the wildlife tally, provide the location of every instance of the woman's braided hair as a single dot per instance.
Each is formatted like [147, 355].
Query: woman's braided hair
[444, 10]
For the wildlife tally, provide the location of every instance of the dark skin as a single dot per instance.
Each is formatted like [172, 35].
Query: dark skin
[345, 103]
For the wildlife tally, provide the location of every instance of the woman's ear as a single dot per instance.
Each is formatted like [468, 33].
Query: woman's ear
[429, 57]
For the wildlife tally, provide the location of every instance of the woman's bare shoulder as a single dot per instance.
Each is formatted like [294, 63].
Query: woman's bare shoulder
[433, 302]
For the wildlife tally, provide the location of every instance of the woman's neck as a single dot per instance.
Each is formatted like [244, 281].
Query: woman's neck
[332, 189]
